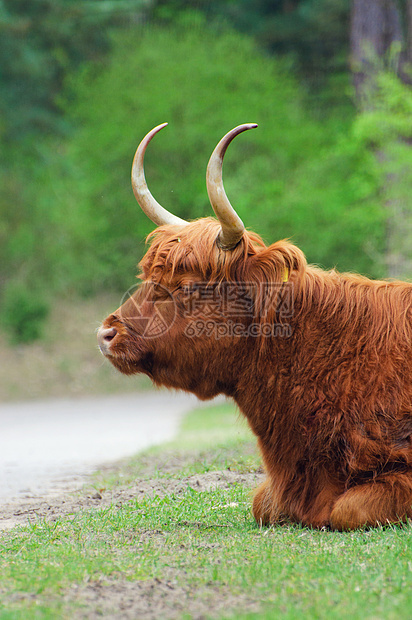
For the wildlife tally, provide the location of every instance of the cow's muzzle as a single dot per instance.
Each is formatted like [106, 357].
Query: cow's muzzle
[105, 336]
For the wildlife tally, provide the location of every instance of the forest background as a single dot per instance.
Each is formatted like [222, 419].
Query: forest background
[82, 81]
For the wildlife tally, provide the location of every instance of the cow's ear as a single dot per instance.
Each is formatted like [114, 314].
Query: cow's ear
[276, 263]
[272, 275]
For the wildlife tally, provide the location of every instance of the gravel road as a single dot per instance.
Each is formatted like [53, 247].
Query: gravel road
[47, 446]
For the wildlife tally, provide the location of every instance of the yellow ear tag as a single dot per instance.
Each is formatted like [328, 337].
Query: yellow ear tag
[285, 276]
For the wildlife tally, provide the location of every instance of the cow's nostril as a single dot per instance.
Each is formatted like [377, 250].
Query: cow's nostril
[109, 334]
[105, 337]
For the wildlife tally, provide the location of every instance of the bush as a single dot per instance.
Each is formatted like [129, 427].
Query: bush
[23, 313]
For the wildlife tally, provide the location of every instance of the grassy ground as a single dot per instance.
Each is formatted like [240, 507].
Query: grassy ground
[173, 537]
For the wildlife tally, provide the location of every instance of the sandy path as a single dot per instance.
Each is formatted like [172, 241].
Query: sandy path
[47, 446]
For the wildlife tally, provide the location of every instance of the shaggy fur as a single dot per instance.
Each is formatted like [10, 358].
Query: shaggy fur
[330, 401]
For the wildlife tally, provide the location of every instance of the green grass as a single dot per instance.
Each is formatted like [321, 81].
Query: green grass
[207, 542]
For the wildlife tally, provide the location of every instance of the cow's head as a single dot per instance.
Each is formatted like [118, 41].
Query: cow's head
[188, 324]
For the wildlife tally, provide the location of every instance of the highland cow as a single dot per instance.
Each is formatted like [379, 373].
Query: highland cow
[319, 362]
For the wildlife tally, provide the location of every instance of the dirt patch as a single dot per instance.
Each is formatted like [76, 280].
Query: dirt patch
[53, 507]
[119, 598]
[153, 599]
[150, 600]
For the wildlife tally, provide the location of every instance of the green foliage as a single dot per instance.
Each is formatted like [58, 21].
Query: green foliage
[23, 313]
[384, 127]
[294, 176]
[314, 33]
[387, 112]
[40, 41]
[68, 219]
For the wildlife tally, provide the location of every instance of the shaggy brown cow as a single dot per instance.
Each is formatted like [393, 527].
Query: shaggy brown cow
[319, 362]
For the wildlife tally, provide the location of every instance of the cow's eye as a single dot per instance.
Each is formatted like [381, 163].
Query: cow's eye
[161, 293]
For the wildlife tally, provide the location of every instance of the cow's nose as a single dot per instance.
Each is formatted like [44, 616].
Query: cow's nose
[104, 338]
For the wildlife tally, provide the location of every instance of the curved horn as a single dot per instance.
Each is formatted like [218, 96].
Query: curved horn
[232, 225]
[149, 205]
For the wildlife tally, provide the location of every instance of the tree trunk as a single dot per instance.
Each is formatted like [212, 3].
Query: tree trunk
[375, 27]
[381, 38]
[398, 255]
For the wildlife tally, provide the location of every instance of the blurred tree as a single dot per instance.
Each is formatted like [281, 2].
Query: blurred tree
[380, 37]
[409, 28]
[40, 42]
[381, 34]
[68, 221]
[314, 33]
[288, 177]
